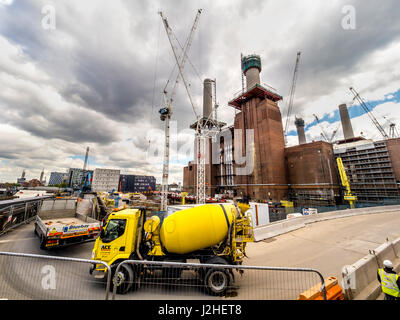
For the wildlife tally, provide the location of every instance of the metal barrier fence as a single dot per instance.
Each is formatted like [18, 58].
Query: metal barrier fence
[14, 215]
[170, 280]
[280, 213]
[38, 277]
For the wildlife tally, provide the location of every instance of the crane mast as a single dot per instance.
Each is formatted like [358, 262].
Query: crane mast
[166, 112]
[206, 128]
[291, 98]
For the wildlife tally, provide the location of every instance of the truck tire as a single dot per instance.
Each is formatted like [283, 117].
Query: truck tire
[125, 280]
[216, 280]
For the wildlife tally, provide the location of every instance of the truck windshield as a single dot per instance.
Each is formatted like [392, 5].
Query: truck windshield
[114, 229]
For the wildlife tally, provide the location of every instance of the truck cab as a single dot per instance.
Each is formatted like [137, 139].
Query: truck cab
[118, 237]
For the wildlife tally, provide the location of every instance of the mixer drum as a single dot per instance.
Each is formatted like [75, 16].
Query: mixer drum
[196, 228]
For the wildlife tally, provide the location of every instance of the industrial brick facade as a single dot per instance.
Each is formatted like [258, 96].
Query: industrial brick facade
[261, 114]
[312, 174]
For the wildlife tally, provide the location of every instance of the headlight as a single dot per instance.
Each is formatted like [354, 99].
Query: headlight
[93, 254]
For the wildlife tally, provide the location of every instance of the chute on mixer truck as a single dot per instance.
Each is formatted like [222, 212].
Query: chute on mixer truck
[211, 234]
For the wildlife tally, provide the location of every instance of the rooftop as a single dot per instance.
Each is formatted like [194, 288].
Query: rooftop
[256, 91]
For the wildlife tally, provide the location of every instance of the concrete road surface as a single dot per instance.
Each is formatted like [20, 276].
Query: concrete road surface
[326, 246]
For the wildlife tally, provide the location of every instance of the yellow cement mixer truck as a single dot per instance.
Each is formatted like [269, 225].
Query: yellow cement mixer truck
[211, 234]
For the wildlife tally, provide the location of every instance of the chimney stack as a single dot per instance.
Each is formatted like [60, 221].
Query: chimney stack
[299, 122]
[207, 98]
[251, 68]
[346, 123]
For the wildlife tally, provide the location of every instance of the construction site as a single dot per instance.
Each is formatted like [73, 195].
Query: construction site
[256, 217]
[306, 174]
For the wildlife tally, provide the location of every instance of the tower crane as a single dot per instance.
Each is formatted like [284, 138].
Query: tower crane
[166, 111]
[334, 133]
[369, 112]
[323, 133]
[291, 98]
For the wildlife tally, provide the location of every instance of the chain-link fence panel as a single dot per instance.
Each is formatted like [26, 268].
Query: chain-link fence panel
[36, 277]
[176, 281]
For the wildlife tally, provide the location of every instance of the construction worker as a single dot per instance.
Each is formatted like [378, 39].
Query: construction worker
[390, 281]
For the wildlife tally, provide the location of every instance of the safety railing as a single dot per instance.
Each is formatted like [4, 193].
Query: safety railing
[37, 277]
[17, 214]
[138, 279]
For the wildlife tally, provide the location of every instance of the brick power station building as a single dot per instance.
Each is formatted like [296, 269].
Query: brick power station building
[307, 173]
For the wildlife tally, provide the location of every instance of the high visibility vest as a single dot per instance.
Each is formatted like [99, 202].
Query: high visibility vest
[389, 283]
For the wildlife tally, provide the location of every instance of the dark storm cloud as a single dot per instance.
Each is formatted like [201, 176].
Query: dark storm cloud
[114, 88]
[73, 130]
[102, 72]
[46, 120]
[114, 84]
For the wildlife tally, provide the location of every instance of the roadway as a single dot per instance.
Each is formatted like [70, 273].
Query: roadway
[326, 246]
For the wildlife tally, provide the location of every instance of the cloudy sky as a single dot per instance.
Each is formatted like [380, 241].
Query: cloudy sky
[91, 73]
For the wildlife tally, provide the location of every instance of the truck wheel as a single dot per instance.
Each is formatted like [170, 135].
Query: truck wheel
[125, 280]
[216, 280]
